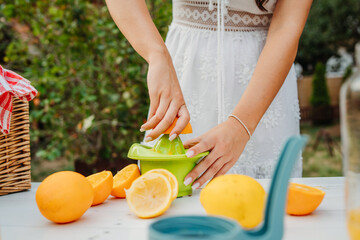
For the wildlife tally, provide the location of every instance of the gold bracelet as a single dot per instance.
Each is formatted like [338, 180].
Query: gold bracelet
[243, 124]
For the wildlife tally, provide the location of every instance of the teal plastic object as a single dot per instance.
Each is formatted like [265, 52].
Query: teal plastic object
[194, 227]
[206, 227]
[168, 155]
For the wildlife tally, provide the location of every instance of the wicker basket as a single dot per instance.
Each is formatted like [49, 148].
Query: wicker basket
[15, 151]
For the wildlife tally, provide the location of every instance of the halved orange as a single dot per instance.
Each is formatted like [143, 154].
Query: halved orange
[102, 183]
[303, 199]
[172, 179]
[123, 180]
[150, 195]
[187, 129]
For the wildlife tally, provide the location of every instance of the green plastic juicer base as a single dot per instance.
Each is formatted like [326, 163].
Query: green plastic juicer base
[169, 155]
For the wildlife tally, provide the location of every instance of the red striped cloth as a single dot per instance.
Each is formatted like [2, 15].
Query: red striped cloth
[12, 84]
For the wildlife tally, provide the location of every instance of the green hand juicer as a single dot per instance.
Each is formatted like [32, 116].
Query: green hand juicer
[169, 155]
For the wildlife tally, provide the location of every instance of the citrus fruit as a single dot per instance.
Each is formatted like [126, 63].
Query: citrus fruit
[123, 180]
[172, 179]
[303, 199]
[150, 195]
[353, 223]
[187, 129]
[64, 196]
[102, 184]
[235, 196]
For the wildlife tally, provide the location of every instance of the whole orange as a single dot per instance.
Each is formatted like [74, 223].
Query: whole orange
[64, 196]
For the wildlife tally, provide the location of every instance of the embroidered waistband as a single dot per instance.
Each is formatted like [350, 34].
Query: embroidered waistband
[197, 15]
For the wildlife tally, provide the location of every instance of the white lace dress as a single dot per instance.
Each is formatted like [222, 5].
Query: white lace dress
[213, 80]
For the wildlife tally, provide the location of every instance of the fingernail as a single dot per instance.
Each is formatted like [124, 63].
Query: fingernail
[195, 186]
[172, 137]
[187, 181]
[142, 130]
[190, 153]
[148, 139]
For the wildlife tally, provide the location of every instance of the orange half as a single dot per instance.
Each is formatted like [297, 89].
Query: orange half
[123, 180]
[149, 195]
[102, 183]
[172, 179]
[302, 199]
[187, 129]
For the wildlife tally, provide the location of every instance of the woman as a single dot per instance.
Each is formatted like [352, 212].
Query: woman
[231, 64]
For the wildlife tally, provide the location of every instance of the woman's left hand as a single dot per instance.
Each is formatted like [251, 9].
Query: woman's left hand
[225, 142]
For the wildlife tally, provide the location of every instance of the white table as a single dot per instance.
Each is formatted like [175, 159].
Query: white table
[21, 219]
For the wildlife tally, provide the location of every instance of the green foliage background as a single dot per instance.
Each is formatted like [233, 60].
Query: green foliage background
[330, 24]
[92, 84]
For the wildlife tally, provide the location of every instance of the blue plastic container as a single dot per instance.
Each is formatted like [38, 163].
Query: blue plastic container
[194, 227]
[207, 227]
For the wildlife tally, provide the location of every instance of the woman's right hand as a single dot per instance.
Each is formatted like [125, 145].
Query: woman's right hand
[166, 99]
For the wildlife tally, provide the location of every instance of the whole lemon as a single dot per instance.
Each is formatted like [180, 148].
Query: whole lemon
[64, 196]
[235, 196]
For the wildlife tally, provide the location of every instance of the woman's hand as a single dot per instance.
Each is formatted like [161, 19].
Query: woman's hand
[225, 142]
[166, 99]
